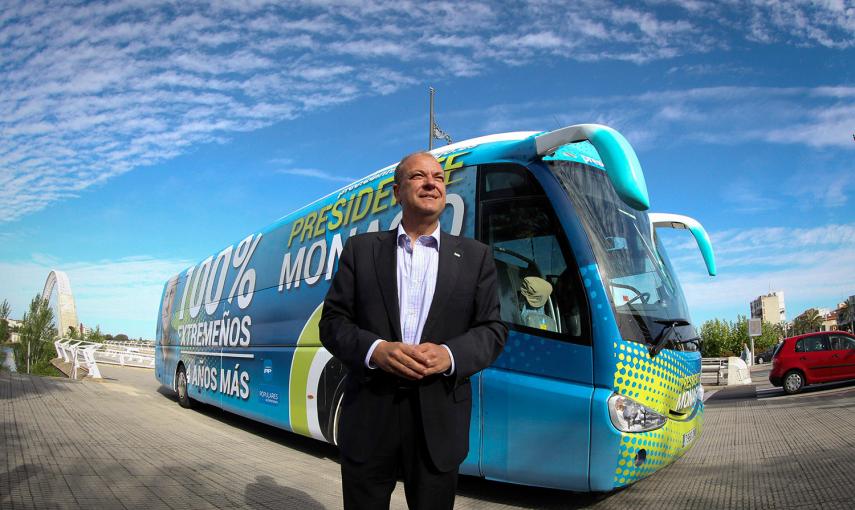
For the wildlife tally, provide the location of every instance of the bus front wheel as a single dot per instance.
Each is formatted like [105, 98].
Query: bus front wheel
[181, 385]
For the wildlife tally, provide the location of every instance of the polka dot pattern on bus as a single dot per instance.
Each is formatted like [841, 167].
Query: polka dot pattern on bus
[658, 383]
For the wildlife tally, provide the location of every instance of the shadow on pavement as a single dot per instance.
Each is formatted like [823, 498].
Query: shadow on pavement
[125, 479]
[468, 486]
[750, 392]
[10, 480]
[17, 385]
[265, 492]
[817, 389]
[522, 496]
[303, 444]
[733, 393]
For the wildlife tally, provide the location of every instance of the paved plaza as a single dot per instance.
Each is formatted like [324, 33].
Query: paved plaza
[125, 443]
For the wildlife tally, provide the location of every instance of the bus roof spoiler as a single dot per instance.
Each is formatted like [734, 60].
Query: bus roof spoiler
[618, 156]
[678, 221]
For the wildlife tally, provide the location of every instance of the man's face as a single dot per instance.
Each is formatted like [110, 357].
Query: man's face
[421, 191]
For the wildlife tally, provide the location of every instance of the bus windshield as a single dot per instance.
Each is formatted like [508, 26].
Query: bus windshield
[643, 289]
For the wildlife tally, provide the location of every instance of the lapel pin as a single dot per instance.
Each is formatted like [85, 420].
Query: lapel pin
[456, 254]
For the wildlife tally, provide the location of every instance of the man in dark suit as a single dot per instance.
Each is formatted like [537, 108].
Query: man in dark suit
[412, 313]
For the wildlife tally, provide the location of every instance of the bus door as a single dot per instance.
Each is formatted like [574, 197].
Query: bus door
[536, 397]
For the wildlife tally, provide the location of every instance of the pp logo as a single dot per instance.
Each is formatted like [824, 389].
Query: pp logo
[268, 370]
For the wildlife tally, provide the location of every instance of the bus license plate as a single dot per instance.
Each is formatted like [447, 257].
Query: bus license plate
[688, 437]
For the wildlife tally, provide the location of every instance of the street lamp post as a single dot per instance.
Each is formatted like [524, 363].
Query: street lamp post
[435, 132]
[430, 125]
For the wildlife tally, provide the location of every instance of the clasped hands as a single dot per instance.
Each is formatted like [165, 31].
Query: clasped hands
[412, 362]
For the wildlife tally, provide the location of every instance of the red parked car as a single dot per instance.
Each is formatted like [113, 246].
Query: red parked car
[813, 358]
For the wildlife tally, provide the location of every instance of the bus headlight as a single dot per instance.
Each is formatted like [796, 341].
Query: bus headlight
[629, 416]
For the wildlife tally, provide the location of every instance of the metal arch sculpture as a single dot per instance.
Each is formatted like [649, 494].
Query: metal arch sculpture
[67, 310]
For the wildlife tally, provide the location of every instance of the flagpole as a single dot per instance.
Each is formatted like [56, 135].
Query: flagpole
[430, 126]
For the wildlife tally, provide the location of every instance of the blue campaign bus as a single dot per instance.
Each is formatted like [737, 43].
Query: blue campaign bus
[599, 382]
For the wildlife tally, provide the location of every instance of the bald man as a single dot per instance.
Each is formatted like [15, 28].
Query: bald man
[413, 313]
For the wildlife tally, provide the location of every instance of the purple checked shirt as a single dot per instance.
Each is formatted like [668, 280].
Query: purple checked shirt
[417, 268]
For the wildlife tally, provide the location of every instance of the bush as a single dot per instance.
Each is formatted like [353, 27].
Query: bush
[721, 338]
[37, 332]
[40, 361]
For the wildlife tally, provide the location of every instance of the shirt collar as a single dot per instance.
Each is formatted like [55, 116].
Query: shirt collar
[434, 234]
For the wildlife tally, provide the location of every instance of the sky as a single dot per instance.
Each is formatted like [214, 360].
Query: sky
[136, 138]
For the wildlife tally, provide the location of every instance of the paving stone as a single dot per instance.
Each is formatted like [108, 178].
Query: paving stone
[122, 444]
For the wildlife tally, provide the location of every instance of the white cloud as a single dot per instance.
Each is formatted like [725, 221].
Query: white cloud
[817, 117]
[811, 265]
[747, 198]
[829, 23]
[782, 238]
[831, 189]
[822, 283]
[94, 90]
[375, 48]
[316, 174]
[121, 295]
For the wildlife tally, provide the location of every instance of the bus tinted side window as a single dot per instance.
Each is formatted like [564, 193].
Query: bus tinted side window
[539, 283]
[508, 181]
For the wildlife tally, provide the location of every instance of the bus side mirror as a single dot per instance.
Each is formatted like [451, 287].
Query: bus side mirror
[678, 221]
[619, 158]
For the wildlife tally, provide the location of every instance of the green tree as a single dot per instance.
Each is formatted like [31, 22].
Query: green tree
[37, 333]
[95, 335]
[121, 337]
[4, 324]
[72, 333]
[724, 338]
[738, 336]
[770, 335]
[715, 334]
[807, 322]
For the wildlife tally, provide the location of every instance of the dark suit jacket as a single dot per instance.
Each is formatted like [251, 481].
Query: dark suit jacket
[362, 306]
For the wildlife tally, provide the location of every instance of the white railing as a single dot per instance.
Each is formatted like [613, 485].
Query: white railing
[716, 367]
[78, 353]
[139, 344]
[125, 356]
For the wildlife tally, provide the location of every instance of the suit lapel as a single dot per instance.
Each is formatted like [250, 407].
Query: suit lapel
[385, 261]
[446, 278]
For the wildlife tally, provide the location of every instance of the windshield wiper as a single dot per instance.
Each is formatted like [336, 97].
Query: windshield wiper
[695, 339]
[639, 321]
[665, 335]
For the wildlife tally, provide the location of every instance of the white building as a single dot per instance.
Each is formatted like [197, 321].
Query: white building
[770, 308]
[13, 324]
[846, 315]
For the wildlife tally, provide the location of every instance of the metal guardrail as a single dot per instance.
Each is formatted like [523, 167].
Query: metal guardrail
[127, 353]
[87, 355]
[125, 357]
[80, 354]
[141, 344]
[716, 367]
